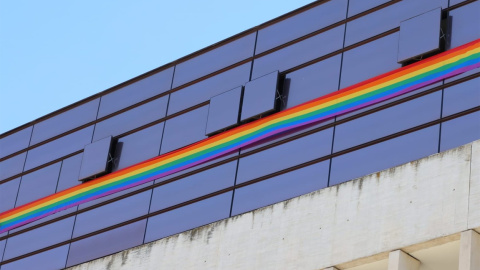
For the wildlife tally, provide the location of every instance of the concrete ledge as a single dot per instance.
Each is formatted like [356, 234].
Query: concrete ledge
[414, 205]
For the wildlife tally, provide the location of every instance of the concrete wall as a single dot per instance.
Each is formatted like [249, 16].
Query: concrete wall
[413, 206]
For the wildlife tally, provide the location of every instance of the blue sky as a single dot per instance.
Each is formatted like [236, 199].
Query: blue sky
[53, 53]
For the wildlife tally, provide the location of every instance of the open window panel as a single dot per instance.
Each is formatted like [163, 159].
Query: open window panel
[422, 36]
[261, 97]
[96, 160]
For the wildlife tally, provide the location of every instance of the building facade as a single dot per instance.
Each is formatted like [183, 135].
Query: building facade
[310, 53]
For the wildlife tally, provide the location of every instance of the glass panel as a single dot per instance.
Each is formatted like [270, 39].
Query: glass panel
[47, 260]
[45, 219]
[300, 53]
[357, 6]
[39, 238]
[114, 195]
[390, 17]
[95, 158]
[384, 155]
[280, 188]
[419, 35]
[15, 142]
[137, 147]
[65, 121]
[135, 92]
[112, 213]
[301, 24]
[275, 159]
[312, 81]
[223, 111]
[204, 90]
[12, 166]
[196, 167]
[184, 129]
[214, 60]
[2, 248]
[285, 135]
[370, 60]
[69, 172]
[464, 25]
[188, 217]
[259, 96]
[388, 121]
[461, 97]
[59, 148]
[8, 194]
[106, 243]
[194, 186]
[388, 101]
[38, 184]
[460, 131]
[131, 119]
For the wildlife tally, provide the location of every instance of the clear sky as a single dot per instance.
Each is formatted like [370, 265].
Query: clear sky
[54, 53]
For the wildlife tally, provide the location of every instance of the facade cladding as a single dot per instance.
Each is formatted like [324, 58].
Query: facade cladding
[313, 51]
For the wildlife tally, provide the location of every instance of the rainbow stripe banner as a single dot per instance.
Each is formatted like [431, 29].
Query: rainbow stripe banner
[380, 88]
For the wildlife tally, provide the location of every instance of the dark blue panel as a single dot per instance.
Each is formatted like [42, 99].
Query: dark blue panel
[106, 243]
[388, 121]
[69, 172]
[137, 147]
[2, 248]
[184, 129]
[135, 92]
[199, 166]
[357, 6]
[214, 60]
[194, 186]
[114, 195]
[132, 119]
[45, 219]
[280, 188]
[384, 155]
[285, 135]
[388, 101]
[300, 53]
[204, 90]
[59, 148]
[12, 166]
[38, 184]
[419, 35]
[223, 111]
[275, 159]
[47, 260]
[464, 25]
[370, 60]
[188, 217]
[312, 81]
[301, 24]
[39, 238]
[15, 142]
[65, 121]
[460, 131]
[112, 213]
[259, 96]
[8, 194]
[461, 97]
[387, 18]
[95, 158]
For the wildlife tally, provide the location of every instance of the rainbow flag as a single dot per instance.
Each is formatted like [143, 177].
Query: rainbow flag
[380, 88]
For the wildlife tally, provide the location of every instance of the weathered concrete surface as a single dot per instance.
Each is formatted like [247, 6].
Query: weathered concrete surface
[405, 206]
